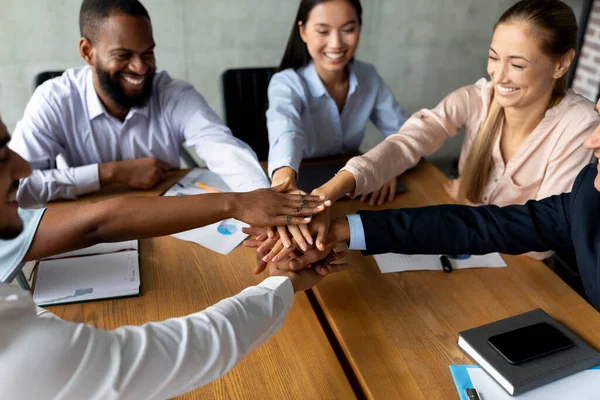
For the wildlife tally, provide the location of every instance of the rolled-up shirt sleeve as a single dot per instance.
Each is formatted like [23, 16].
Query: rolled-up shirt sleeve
[422, 134]
[284, 123]
[157, 360]
[357, 233]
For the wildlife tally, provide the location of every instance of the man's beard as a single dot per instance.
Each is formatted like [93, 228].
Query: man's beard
[112, 87]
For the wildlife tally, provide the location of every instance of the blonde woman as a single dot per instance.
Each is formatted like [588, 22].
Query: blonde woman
[524, 128]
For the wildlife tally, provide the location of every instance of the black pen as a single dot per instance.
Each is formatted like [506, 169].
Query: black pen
[446, 265]
[472, 394]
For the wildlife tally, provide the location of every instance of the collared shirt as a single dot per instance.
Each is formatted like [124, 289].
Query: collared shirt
[545, 164]
[65, 116]
[304, 121]
[157, 360]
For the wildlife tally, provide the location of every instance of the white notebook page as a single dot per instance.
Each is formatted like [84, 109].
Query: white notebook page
[391, 262]
[87, 278]
[584, 385]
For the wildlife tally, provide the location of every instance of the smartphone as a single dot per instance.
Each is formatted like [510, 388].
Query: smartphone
[530, 342]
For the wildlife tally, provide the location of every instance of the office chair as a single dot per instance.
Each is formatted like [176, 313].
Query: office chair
[245, 103]
[185, 156]
[44, 76]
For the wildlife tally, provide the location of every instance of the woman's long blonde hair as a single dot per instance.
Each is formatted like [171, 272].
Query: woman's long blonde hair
[555, 26]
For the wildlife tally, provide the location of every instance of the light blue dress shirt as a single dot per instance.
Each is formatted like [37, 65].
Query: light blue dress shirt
[12, 251]
[304, 121]
[358, 241]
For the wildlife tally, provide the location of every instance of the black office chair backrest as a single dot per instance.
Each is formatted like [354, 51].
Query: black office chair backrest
[44, 76]
[245, 104]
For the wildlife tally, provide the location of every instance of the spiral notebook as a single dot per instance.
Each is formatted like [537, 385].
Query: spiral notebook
[105, 271]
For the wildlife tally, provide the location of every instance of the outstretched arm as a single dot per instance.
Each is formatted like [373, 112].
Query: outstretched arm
[157, 360]
[453, 229]
[66, 229]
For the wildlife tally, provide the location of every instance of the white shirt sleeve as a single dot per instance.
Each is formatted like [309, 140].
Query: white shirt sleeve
[37, 138]
[223, 153]
[53, 184]
[157, 360]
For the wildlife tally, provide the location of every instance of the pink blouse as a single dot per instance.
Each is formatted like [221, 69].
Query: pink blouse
[544, 165]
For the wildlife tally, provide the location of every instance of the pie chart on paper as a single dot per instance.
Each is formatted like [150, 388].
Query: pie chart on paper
[227, 228]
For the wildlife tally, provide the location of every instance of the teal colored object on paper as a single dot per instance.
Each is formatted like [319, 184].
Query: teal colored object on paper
[226, 228]
[461, 378]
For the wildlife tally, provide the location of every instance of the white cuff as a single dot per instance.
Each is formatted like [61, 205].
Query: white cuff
[282, 286]
[87, 179]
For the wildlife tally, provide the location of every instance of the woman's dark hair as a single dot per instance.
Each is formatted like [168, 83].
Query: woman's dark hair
[296, 54]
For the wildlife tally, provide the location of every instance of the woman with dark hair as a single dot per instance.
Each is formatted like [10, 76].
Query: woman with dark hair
[524, 128]
[321, 99]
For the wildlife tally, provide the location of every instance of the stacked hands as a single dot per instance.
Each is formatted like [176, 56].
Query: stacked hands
[303, 250]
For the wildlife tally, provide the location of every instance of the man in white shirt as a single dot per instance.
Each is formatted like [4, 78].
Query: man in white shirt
[117, 120]
[43, 357]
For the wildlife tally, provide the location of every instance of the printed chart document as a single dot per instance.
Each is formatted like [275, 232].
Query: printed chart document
[391, 262]
[222, 236]
[98, 272]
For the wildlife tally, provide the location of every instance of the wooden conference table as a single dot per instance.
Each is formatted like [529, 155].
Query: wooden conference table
[396, 333]
[180, 278]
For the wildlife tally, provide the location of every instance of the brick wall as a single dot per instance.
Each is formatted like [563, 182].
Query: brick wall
[587, 75]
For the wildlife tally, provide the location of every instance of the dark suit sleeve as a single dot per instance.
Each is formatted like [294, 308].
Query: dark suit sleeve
[451, 229]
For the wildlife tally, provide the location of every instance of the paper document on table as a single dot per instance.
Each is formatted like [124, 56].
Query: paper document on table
[198, 181]
[581, 386]
[87, 278]
[222, 236]
[391, 262]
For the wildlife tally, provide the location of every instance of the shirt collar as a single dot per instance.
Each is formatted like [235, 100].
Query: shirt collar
[317, 87]
[353, 79]
[95, 106]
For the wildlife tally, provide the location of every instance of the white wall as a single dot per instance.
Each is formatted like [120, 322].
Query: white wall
[423, 48]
